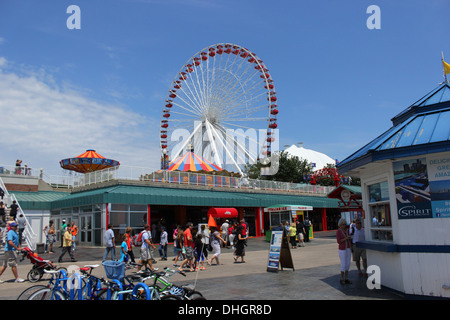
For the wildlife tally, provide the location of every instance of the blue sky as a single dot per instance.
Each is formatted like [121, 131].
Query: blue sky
[338, 83]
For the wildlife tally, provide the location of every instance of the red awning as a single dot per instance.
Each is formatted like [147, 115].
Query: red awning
[223, 212]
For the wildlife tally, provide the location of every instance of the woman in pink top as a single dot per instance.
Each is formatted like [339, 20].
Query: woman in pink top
[345, 252]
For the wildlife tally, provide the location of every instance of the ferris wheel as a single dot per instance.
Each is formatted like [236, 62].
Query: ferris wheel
[222, 103]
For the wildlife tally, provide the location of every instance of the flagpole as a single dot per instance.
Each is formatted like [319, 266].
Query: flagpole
[443, 67]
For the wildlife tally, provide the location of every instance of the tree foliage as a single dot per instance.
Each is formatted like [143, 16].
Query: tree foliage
[290, 169]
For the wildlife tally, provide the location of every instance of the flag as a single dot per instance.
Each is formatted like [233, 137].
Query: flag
[446, 67]
[212, 222]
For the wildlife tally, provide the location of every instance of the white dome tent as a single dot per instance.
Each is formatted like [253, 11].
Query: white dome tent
[319, 159]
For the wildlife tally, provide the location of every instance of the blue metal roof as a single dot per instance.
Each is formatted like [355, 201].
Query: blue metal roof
[422, 128]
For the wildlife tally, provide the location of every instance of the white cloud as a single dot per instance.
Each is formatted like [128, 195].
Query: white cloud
[43, 124]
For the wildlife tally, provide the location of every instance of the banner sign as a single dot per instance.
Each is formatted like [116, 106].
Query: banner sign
[422, 187]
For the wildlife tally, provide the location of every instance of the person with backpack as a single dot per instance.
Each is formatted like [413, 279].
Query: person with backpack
[306, 226]
[143, 241]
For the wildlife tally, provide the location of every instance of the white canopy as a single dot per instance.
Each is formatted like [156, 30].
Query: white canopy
[320, 159]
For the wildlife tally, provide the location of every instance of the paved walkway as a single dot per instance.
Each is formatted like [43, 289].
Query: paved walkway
[316, 275]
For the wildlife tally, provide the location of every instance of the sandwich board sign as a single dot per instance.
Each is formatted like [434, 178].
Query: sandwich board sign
[279, 252]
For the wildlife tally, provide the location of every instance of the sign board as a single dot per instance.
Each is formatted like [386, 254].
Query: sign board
[288, 208]
[279, 252]
[422, 187]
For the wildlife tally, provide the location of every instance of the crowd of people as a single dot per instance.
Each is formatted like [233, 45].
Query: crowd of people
[298, 232]
[193, 247]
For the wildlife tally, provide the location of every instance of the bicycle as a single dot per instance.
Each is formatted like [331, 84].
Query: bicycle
[165, 288]
[57, 288]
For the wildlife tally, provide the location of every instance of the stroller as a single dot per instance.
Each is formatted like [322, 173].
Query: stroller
[39, 265]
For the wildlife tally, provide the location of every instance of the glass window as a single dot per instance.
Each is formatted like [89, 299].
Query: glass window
[119, 207]
[138, 207]
[379, 192]
[86, 209]
[138, 219]
[119, 219]
[380, 223]
[274, 219]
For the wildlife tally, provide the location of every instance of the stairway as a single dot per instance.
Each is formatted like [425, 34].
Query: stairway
[29, 236]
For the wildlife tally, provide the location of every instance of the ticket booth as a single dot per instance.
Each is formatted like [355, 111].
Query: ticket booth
[278, 215]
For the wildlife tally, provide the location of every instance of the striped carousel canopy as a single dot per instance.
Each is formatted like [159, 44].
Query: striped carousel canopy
[192, 162]
[88, 161]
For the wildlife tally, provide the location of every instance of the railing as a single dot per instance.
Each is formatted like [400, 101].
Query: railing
[178, 177]
[29, 235]
[192, 178]
[19, 171]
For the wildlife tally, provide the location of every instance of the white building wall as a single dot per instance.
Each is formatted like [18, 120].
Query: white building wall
[410, 273]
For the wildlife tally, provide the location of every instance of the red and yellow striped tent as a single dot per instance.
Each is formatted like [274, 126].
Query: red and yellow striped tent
[88, 161]
[192, 162]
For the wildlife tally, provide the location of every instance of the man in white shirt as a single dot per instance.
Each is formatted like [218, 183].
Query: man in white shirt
[225, 227]
[359, 253]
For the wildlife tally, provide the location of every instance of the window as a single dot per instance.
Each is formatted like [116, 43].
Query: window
[379, 212]
[278, 218]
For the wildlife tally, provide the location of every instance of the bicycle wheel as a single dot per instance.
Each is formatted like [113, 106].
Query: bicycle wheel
[47, 294]
[29, 291]
[196, 296]
[34, 275]
[170, 297]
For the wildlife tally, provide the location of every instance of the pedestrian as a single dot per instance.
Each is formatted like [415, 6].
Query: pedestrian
[225, 234]
[145, 249]
[205, 236]
[22, 222]
[74, 232]
[13, 209]
[67, 246]
[130, 252]
[359, 253]
[179, 246]
[2, 212]
[188, 248]
[292, 235]
[124, 249]
[110, 243]
[163, 244]
[240, 245]
[345, 252]
[11, 247]
[215, 243]
[174, 237]
[50, 230]
[286, 227]
[18, 166]
[232, 233]
[62, 230]
[300, 233]
[307, 226]
[201, 252]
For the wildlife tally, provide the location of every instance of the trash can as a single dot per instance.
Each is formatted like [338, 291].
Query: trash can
[40, 248]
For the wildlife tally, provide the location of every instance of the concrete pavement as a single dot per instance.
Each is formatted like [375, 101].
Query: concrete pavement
[316, 274]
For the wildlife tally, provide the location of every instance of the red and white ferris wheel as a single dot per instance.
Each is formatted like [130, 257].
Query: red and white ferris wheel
[217, 96]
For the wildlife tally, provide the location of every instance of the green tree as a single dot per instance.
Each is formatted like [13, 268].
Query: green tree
[290, 169]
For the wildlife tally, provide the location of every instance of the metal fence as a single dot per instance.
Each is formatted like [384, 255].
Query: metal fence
[155, 175]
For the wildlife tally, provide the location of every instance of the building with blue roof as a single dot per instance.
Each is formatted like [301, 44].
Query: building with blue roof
[405, 186]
